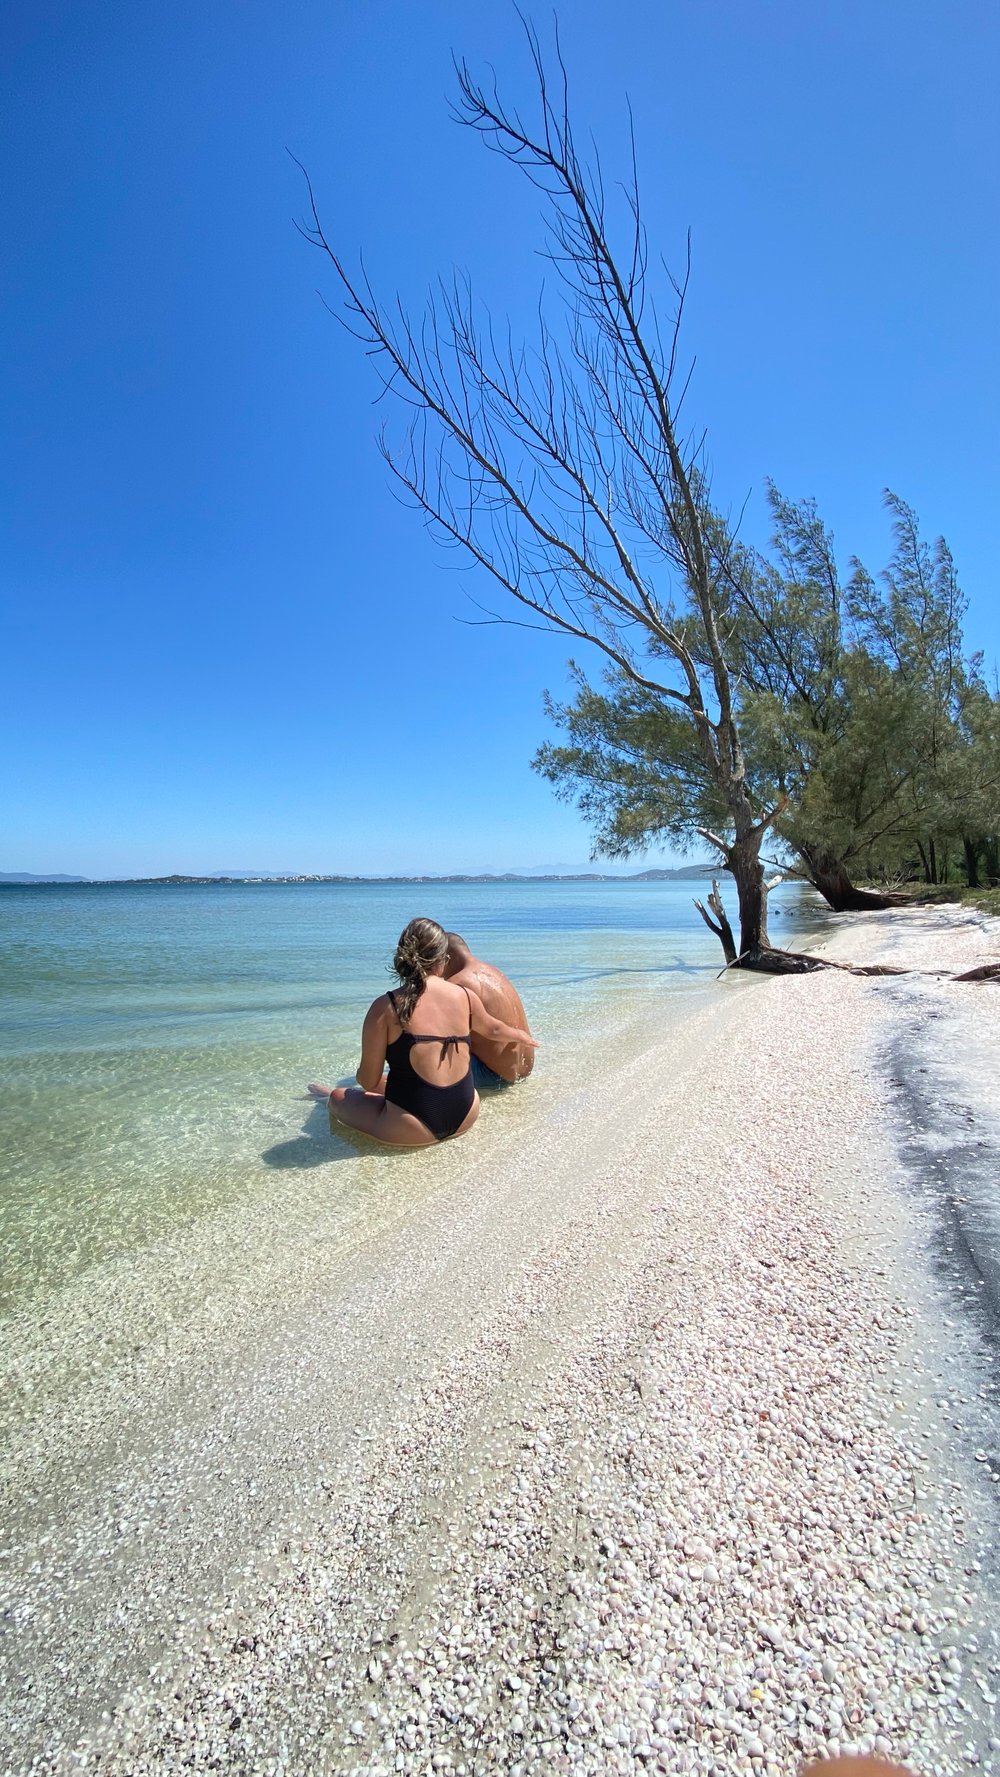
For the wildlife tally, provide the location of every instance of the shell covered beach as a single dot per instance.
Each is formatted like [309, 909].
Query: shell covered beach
[666, 1439]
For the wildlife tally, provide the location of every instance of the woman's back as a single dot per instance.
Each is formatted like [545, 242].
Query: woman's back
[442, 1012]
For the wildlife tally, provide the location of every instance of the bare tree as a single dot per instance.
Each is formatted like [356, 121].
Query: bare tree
[562, 470]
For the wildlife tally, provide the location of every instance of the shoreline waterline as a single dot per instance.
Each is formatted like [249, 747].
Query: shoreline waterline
[153, 1041]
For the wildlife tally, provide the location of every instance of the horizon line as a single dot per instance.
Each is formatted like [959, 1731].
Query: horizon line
[25, 878]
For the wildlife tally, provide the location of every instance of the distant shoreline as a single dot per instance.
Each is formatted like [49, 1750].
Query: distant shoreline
[686, 873]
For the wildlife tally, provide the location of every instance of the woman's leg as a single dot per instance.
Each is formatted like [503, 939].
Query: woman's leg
[323, 1092]
[369, 1113]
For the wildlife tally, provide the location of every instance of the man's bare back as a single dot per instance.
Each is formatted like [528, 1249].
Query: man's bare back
[511, 1061]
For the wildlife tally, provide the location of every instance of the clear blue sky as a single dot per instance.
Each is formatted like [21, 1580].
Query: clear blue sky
[215, 610]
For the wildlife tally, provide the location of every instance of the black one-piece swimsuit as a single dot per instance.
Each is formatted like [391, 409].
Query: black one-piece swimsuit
[441, 1109]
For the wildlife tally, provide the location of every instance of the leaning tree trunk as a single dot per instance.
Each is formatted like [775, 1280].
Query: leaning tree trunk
[828, 874]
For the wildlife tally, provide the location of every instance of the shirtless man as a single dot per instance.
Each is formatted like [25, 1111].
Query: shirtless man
[493, 1064]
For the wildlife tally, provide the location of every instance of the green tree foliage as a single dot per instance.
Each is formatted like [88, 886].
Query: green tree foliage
[860, 717]
[632, 765]
[908, 626]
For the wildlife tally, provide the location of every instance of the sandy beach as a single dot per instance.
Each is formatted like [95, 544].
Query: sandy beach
[667, 1440]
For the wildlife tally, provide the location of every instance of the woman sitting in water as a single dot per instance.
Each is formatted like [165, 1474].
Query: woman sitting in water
[428, 1094]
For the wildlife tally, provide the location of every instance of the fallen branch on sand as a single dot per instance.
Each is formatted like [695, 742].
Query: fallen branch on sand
[985, 972]
[799, 962]
[770, 961]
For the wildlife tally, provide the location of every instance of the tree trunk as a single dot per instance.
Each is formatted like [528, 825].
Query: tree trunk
[828, 874]
[932, 854]
[926, 862]
[748, 872]
[971, 850]
[755, 952]
[742, 860]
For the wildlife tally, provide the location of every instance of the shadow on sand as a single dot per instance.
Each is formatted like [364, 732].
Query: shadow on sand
[318, 1146]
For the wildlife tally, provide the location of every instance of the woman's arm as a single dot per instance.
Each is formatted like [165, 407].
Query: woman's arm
[494, 1028]
[373, 1035]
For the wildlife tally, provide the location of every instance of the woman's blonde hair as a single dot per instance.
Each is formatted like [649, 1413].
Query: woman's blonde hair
[421, 947]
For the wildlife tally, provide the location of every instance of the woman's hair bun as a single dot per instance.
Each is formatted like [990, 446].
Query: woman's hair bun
[422, 945]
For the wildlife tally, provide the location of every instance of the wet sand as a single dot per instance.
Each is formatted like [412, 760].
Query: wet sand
[621, 1449]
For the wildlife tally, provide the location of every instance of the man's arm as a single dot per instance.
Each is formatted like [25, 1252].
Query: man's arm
[494, 1028]
[373, 1041]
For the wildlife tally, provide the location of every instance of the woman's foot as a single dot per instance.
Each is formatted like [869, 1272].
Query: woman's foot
[319, 1091]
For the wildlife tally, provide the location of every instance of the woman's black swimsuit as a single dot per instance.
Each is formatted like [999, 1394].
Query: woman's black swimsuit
[441, 1109]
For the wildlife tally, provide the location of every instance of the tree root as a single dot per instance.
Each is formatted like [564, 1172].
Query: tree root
[800, 962]
[770, 961]
[985, 972]
[779, 962]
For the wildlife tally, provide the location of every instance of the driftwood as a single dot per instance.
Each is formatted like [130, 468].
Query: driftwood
[720, 924]
[801, 962]
[770, 961]
[985, 972]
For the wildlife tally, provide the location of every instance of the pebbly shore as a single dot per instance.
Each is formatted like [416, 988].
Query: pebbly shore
[667, 1445]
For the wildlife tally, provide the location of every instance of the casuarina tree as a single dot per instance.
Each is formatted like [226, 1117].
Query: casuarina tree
[856, 708]
[561, 467]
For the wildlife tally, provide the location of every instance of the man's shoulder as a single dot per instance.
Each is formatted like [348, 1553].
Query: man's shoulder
[483, 976]
[498, 994]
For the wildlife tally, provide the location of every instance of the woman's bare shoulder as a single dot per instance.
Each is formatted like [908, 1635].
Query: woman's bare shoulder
[445, 995]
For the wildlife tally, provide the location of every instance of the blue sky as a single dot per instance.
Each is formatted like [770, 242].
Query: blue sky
[226, 644]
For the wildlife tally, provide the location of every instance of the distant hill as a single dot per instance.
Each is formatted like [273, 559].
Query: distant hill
[685, 873]
[24, 876]
[547, 873]
[591, 871]
[524, 871]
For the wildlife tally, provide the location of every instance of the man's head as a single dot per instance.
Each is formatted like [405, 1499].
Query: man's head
[458, 956]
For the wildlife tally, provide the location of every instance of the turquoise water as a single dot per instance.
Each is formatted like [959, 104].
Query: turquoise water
[155, 1041]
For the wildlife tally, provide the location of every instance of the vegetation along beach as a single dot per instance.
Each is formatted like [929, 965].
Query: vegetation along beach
[461, 1313]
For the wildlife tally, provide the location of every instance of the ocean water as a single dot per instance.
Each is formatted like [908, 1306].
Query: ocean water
[155, 1043]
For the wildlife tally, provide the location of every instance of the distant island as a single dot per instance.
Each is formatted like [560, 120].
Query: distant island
[684, 873]
[20, 878]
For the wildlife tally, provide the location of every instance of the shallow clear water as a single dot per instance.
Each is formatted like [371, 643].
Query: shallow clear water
[155, 1041]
